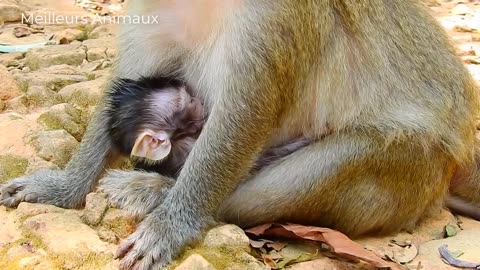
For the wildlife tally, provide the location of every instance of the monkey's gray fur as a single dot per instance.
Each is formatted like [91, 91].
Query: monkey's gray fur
[375, 83]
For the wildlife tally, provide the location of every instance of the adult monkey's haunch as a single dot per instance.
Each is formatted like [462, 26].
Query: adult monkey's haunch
[375, 84]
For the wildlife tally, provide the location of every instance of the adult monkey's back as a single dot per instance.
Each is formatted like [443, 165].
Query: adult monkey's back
[375, 81]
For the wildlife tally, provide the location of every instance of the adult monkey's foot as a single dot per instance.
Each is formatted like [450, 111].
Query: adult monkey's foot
[136, 192]
[44, 186]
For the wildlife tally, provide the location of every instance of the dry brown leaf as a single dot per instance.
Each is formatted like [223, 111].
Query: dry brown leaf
[257, 244]
[269, 261]
[340, 243]
[277, 245]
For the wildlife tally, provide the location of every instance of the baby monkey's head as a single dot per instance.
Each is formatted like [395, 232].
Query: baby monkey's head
[155, 121]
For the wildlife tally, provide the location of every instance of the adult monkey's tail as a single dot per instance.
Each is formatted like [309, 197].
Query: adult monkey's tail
[464, 196]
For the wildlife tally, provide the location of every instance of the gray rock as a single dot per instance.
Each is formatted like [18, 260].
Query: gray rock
[119, 222]
[68, 35]
[71, 54]
[3, 105]
[95, 207]
[107, 235]
[64, 116]
[94, 54]
[227, 235]
[17, 104]
[63, 70]
[10, 231]
[195, 262]
[12, 166]
[9, 88]
[102, 31]
[97, 48]
[52, 81]
[84, 94]
[41, 96]
[11, 59]
[65, 234]
[25, 209]
[10, 12]
[56, 146]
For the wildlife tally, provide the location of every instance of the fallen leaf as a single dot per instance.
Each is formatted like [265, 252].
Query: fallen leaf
[405, 254]
[339, 242]
[269, 261]
[302, 258]
[257, 244]
[277, 245]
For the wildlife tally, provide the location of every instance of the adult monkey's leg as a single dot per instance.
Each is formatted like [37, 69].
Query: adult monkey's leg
[352, 183]
[356, 183]
[137, 192]
[140, 54]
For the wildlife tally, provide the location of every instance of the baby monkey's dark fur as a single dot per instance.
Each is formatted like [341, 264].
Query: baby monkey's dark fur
[133, 109]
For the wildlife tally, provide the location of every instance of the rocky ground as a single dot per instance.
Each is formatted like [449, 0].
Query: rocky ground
[47, 96]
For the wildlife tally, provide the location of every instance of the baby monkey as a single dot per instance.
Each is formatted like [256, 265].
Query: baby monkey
[156, 121]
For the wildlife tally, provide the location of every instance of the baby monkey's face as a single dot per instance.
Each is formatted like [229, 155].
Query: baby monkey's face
[175, 121]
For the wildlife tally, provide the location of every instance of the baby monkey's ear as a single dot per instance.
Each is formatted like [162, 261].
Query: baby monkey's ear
[152, 145]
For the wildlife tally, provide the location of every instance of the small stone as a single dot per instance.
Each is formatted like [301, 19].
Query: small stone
[102, 31]
[97, 48]
[41, 96]
[10, 231]
[45, 266]
[18, 104]
[63, 70]
[111, 53]
[107, 235]
[9, 88]
[29, 262]
[461, 9]
[227, 235]
[84, 94]
[10, 12]
[47, 56]
[113, 265]
[195, 262]
[25, 209]
[13, 129]
[37, 27]
[56, 146]
[95, 207]
[12, 166]
[19, 251]
[64, 233]
[120, 222]
[10, 59]
[96, 54]
[36, 163]
[52, 81]
[20, 32]
[64, 116]
[68, 35]
[330, 264]
[451, 229]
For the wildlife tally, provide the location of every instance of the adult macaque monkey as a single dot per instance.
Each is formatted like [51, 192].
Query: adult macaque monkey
[375, 83]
